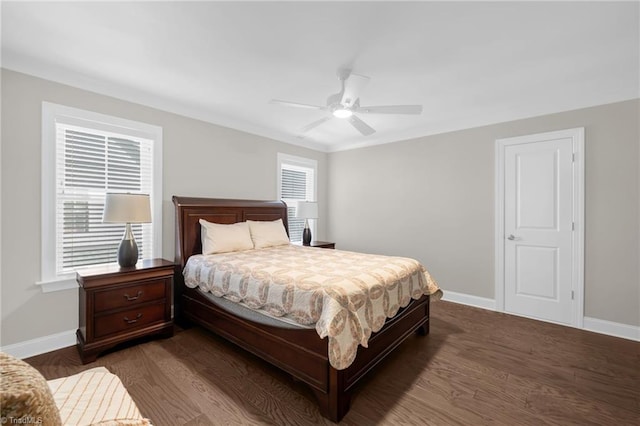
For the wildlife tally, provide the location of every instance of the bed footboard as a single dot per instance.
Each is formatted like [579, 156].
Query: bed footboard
[302, 354]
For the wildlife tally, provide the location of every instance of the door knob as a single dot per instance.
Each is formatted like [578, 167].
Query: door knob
[511, 237]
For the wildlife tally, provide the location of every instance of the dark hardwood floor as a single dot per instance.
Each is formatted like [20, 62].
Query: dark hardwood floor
[476, 367]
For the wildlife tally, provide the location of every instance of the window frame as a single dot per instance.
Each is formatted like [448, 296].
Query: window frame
[308, 163]
[53, 113]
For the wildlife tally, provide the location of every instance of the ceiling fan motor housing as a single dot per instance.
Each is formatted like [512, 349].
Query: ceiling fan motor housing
[333, 101]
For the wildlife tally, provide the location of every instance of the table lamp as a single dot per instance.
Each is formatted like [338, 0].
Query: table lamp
[127, 208]
[306, 210]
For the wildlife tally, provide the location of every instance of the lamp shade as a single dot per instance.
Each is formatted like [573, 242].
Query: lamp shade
[307, 210]
[127, 208]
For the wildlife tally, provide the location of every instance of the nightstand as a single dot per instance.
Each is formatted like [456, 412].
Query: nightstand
[320, 244]
[120, 304]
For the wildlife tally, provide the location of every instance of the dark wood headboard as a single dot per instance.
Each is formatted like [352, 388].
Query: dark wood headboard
[190, 210]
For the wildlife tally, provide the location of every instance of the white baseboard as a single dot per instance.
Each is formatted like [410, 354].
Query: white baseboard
[612, 328]
[467, 299]
[41, 345]
[590, 324]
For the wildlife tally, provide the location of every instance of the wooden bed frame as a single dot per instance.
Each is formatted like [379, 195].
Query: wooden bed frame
[299, 352]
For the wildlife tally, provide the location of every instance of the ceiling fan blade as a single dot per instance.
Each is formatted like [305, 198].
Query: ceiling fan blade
[353, 87]
[391, 109]
[295, 104]
[315, 124]
[362, 127]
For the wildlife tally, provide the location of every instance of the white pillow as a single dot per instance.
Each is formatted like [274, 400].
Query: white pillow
[219, 238]
[268, 234]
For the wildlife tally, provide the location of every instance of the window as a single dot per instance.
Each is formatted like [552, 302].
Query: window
[84, 156]
[296, 182]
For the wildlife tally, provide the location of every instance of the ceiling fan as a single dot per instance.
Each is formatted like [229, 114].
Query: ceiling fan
[346, 103]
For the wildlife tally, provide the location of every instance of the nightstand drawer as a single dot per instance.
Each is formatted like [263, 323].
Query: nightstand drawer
[129, 319]
[129, 295]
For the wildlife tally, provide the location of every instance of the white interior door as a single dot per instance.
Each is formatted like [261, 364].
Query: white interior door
[540, 269]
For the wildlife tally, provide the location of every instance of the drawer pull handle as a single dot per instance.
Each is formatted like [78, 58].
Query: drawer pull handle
[131, 321]
[136, 297]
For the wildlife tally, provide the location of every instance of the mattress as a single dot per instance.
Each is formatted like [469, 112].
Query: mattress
[261, 317]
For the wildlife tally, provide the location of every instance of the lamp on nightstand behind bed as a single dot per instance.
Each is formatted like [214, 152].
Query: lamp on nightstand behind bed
[127, 208]
[306, 210]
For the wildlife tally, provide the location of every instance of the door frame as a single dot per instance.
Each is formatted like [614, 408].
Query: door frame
[577, 255]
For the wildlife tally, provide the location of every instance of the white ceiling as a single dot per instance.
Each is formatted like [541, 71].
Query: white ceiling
[469, 64]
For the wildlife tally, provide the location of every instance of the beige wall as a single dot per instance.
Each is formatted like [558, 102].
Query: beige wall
[200, 159]
[432, 198]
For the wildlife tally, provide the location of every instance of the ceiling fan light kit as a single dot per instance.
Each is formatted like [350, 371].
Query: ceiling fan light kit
[346, 103]
[342, 113]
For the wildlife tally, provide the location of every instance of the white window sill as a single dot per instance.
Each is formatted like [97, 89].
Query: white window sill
[57, 285]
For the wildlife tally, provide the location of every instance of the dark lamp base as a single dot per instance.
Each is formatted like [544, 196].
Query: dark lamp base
[306, 237]
[127, 253]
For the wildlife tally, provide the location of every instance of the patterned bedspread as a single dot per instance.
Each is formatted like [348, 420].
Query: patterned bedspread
[347, 295]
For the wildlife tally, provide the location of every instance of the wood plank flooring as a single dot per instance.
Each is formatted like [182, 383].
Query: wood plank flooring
[476, 367]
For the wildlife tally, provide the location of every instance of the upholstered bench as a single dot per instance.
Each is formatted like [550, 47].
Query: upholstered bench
[93, 397]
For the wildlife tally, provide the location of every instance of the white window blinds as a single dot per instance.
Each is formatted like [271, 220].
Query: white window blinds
[85, 155]
[90, 163]
[297, 183]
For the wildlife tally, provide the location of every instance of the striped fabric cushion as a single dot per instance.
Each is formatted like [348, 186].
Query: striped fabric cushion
[95, 397]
